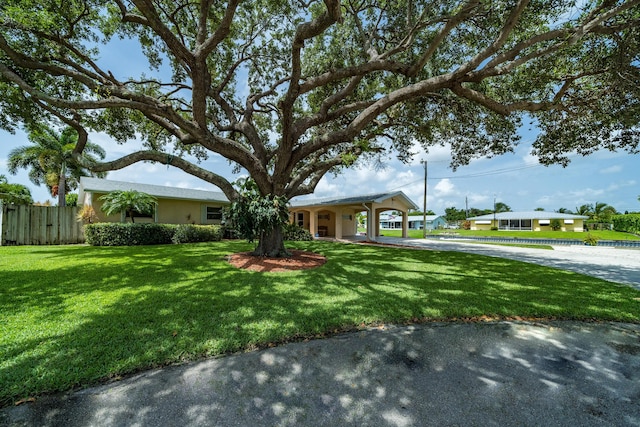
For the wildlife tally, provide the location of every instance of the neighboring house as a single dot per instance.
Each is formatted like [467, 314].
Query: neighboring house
[530, 221]
[332, 217]
[175, 205]
[392, 221]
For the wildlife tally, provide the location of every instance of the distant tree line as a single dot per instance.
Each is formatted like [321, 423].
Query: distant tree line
[598, 212]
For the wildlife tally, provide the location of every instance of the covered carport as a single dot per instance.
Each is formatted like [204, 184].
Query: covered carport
[336, 217]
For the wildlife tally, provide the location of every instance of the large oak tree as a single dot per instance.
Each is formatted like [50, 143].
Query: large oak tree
[291, 90]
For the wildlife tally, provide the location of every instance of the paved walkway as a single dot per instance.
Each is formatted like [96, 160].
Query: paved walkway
[493, 374]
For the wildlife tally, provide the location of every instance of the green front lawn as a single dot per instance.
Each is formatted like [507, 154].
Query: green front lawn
[77, 315]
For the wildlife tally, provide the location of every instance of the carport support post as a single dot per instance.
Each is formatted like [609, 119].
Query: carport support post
[338, 233]
[405, 224]
[313, 220]
[370, 219]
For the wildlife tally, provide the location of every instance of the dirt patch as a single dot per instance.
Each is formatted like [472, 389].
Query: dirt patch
[299, 260]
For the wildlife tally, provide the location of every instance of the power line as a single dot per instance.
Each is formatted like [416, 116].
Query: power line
[472, 175]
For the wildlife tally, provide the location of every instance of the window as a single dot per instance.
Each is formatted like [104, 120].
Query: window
[150, 214]
[214, 213]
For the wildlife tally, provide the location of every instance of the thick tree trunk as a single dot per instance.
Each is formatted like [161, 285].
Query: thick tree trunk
[272, 244]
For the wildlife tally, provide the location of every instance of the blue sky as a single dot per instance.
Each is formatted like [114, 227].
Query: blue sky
[516, 179]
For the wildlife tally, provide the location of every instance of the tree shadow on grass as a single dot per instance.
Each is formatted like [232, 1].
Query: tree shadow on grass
[106, 313]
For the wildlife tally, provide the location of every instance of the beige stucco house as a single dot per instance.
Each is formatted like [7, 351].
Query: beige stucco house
[334, 217]
[175, 205]
[527, 221]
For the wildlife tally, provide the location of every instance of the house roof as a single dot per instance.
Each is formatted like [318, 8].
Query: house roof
[527, 215]
[354, 200]
[430, 218]
[420, 217]
[97, 185]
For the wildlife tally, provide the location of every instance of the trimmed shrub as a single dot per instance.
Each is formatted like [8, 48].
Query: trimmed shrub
[134, 234]
[295, 232]
[590, 240]
[128, 234]
[191, 233]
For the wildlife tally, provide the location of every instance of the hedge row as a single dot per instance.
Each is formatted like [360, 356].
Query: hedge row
[128, 234]
[629, 223]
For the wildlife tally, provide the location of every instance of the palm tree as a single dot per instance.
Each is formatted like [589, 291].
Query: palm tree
[564, 211]
[585, 210]
[129, 202]
[502, 207]
[603, 212]
[50, 160]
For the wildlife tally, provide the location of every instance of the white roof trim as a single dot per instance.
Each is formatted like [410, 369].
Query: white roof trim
[97, 185]
[527, 215]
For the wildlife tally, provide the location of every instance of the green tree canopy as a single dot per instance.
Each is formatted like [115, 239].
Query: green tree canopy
[564, 210]
[50, 160]
[131, 202]
[259, 218]
[602, 212]
[292, 90]
[501, 207]
[453, 214]
[16, 194]
[585, 210]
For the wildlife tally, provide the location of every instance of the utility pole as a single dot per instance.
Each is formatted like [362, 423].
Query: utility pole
[424, 205]
[466, 207]
[494, 211]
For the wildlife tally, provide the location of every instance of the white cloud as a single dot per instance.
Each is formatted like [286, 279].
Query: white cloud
[444, 188]
[327, 188]
[611, 169]
[475, 200]
[530, 160]
[402, 181]
[435, 153]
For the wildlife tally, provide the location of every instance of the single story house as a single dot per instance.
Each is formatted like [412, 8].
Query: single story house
[175, 205]
[528, 220]
[331, 217]
[393, 221]
[336, 216]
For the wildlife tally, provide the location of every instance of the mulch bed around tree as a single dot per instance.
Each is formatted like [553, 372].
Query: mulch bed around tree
[299, 260]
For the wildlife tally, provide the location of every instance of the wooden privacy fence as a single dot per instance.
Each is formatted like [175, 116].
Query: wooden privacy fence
[39, 225]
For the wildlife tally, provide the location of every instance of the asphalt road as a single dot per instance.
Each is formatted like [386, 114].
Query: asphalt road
[494, 374]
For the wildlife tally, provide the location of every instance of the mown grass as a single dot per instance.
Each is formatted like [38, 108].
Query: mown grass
[599, 234]
[77, 315]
